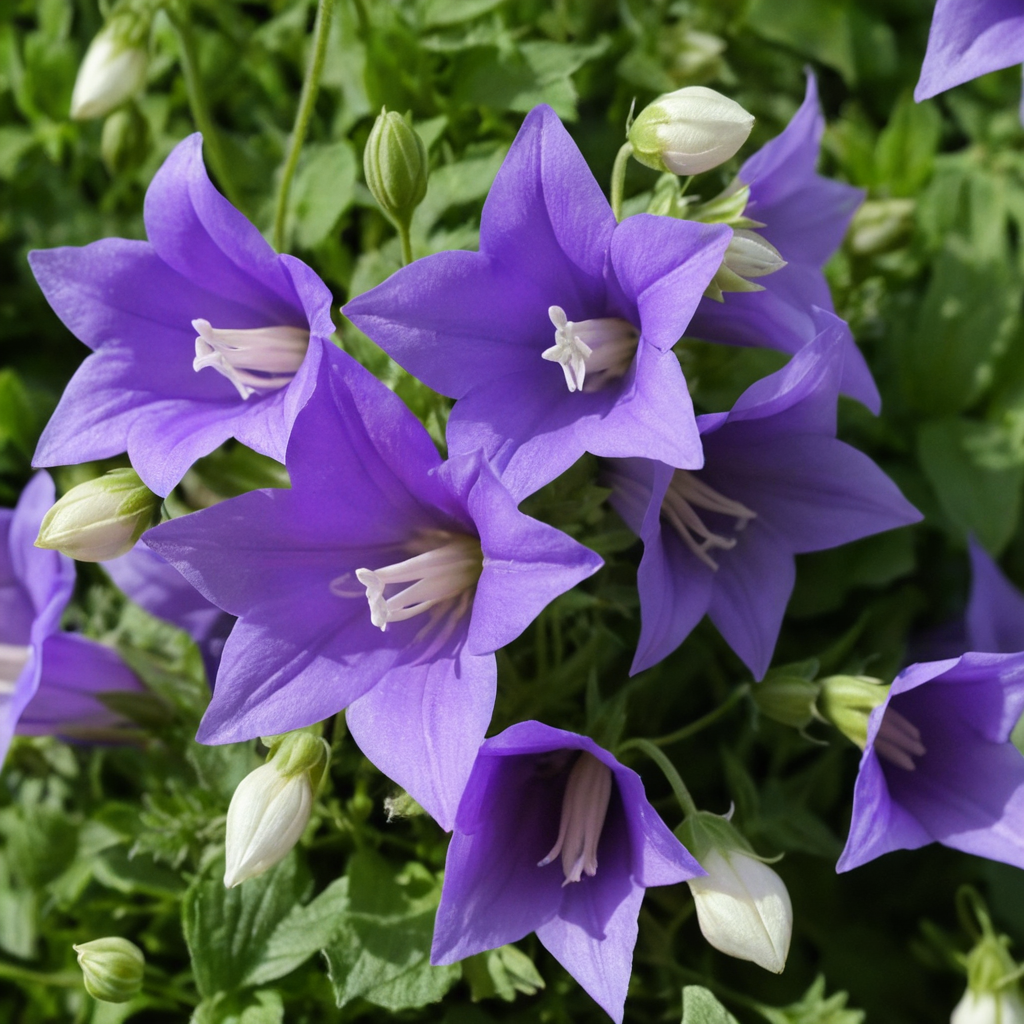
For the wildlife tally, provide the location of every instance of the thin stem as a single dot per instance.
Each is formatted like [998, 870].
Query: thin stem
[686, 185]
[668, 770]
[403, 234]
[702, 723]
[201, 110]
[619, 177]
[307, 102]
[61, 979]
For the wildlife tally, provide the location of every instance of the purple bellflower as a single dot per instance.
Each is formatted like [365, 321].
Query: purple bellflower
[554, 836]
[995, 610]
[805, 217]
[155, 585]
[939, 765]
[200, 334]
[776, 482]
[970, 38]
[450, 569]
[556, 337]
[48, 680]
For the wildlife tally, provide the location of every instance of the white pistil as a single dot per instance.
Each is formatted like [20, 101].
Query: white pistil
[899, 741]
[255, 360]
[443, 568]
[584, 808]
[592, 352]
[687, 492]
[13, 659]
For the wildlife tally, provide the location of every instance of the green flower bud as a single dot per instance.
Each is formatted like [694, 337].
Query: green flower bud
[111, 968]
[125, 140]
[847, 702]
[395, 166]
[787, 698]
[100, 519]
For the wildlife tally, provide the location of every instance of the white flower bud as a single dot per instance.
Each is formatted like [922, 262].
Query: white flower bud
[100, 519]
[113, 70]
[111, 968]
[689, 131]
[1002, 1007]
[750, 255]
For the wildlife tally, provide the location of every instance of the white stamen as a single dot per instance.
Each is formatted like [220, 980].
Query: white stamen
[255, 360]
[592, 352]
[444, 567]
[13, 659]
[899, 741]
[687, 491]
[584, 808]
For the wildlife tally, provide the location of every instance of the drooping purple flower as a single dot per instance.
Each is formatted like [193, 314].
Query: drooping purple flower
[805, 217]
[154, 584]
[995, 611]
[200, 334]
[939, 765]
[554, 836]
[969, 38]
[556, 337]
[48, 680]
[450, 569]
[776, 482]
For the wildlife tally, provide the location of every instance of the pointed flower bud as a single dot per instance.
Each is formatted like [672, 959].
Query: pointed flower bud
[789, 695]
[100, 519]
[395, 166]
[689, 131]
[743, 907]
[111, 968]
[847, 702]
[114, 68]
[125, 140]
[271, 806]
[993, 994]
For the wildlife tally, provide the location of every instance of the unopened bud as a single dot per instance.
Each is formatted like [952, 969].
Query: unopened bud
[881, 224]
[125, 140]
[787, 698]
[1005, 1007]
[689, 131]
[100, 519]
[743, 907]
[113, 70]
[395, 166]
[847, 702]
[111, 968]
[993, 995]
[271, 806]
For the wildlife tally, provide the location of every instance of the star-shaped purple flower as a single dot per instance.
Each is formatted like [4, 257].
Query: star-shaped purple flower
[382, 582]
[556, 337]
[48, 680]
[200, 334]
[775, 482]
[939, 765]
[995, 611]
[805, 217]
[969, 38]
[554, 836]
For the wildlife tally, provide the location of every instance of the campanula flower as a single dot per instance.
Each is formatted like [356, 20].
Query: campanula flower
[995, 610]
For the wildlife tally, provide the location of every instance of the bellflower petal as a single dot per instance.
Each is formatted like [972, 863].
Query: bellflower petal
[995, 611]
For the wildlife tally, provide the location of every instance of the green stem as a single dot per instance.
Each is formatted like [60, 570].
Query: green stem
[668, 770]
[307, 103]
[201, 111]
[619, 177]
[709, 719]
[62, 979]
[403, 234]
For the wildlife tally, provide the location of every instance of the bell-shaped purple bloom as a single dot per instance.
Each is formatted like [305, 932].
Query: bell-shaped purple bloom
[48, 680]
[995, 610]
[969, 38]
[554, 836]
[154, 584]
[939, 765]
[776, 482]
[382, 582]
[200, 334]
[805, 217]
[556, 337]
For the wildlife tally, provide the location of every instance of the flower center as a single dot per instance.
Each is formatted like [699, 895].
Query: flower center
[687, 493]
[13, 658]
[898, 740]
[584, 808]
[441, 574]
[257, 360]
[593, 353]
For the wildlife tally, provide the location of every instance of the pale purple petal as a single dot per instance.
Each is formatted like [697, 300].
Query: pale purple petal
[995, 612]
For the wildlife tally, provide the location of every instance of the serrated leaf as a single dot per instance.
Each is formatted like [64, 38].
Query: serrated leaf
[263, 1007]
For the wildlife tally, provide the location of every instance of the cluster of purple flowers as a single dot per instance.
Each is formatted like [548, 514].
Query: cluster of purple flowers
[385, 579]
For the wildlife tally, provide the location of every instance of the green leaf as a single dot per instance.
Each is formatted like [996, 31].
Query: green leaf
[263, 1007]
[456, 184]
[905, 153]
[701, 1007]
[117, 869]
[814, 1008]
[323, 191]
[440, 13]
[501, 973]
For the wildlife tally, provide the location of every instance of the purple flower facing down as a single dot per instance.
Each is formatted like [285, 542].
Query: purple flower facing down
[554, 836]
[969, 38]
[48, 680]
[939, 765]
[556, 337]
[154, 584]
[805, 217]
[776, 482]
[995, 611]
[200, 334]
[383, 582]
